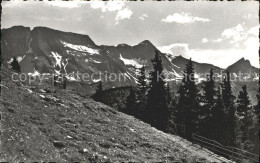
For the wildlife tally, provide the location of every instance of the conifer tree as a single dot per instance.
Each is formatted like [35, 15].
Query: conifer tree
[131, 103]
[209, 100]
[99, 93]
[188, 106]
[243, 110]
[55, 78]
[168, 94]
[243, 102]
[171, 102]
[156, 112]
[141, 89]
[64, 84]
[15, 65]
[218, 119]
[228, 101]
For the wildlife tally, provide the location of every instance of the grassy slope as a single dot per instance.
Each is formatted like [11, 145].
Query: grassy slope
[65, 127]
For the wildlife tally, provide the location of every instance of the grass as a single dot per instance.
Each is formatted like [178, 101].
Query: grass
[64, 127]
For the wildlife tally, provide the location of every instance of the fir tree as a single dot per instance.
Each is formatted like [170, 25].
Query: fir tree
[243, 110]
[217, 120]
[55, 78]
[188, 106]
[141, 89]
[209, 100]
[171, 102]
[15, 65]
[64, 84]
[228, 101]
[243, 102]
[131, 103]
[168, 94]
[156, 111]
[99, 93]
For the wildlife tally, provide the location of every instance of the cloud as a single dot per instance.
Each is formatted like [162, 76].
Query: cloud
[143, 16]
[13, 4]
[224, 57]
[204, 40]
[107, 6]
[235, 34]
[64, 4]
[254, 31]
[183, 18]
[175, 49]
[217, 40]
[220, 57]
[125, 13]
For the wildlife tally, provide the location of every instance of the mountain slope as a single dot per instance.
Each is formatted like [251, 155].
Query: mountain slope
[39, 123]
[244, 68]
[45, 50]
[201, 68]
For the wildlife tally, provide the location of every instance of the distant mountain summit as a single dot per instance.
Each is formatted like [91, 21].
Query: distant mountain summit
[243, 66]
[244, 69]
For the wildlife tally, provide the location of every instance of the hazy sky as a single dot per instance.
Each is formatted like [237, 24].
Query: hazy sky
[214, 32]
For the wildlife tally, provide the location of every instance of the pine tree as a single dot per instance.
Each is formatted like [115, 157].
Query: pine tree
[168, 94]
[243, 110]
[15, 65]
[99, 93]
[131, 103]
[141, 89]
[209, 100]
[171, 102]
[243, 102]
[55, 78]
[156, 112]
[228, 101]
[254, 134]
[218, 119]
[64, 84]
[188, 106]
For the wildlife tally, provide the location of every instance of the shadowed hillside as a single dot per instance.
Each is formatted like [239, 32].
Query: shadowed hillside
[42, 124]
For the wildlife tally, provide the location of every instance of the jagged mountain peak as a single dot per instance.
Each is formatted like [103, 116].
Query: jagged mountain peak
[243, 61]
[146, 42]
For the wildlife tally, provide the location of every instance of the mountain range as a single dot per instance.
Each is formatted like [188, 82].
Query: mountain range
[44, 50]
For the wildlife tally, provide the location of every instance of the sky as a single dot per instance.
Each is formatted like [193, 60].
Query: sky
[219, 33]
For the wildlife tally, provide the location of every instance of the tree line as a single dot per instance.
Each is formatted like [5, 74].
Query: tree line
[213, 112]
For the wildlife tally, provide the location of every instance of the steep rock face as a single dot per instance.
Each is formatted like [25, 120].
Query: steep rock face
[50, 51]
[15, 41]
[45, 50]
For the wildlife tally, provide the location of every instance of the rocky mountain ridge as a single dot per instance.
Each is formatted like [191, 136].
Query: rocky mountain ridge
[45, 50]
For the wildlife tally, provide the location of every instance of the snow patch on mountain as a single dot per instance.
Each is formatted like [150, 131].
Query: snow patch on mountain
[130, 62]
[57, 57]
[129, 75]
[35, 73]
[95, 61]
[81, 48]
[10, 61]
[65, 65]
[19, 58]
[96, 80]
[71, 77]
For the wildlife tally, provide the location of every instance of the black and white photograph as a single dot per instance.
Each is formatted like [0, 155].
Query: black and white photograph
[125, 81]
